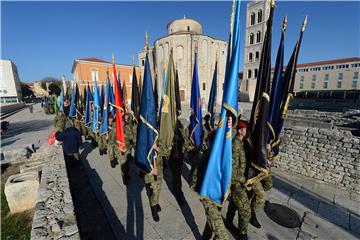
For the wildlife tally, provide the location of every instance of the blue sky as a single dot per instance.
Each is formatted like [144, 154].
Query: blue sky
[44, 38]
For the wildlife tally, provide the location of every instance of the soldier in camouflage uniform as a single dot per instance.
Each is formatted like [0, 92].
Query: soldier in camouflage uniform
[60, 121]
[154, 182]
[258, 193]
[116, 156]
[214, 223]
[176, 160]
[111, 137]
[239, 198]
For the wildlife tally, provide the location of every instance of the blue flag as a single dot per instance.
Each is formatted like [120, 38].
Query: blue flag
[196, 131]
[102, 96]
[87, 107]
[105, 109]
[276, 91]
[61, 101]
[212, 98]
[95, 118]
[217, 179]
[121, 89]
[112, 100]
[72, 112]
[147, 129]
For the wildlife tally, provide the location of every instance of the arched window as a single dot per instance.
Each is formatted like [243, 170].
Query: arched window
[188, 28]
[257, 55]
[258, 36]
[250, 57]
[259, 16]
[252, 19]
[255, 73]
[249, 73]
[251, 38]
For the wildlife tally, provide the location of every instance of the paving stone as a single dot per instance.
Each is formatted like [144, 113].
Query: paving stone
[334, 214]
[321, 228]
[355, 223]
[304, 203]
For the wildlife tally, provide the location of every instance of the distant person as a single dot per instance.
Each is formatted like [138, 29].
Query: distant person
[71, 142]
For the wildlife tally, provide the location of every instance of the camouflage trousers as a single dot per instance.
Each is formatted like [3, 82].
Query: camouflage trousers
[214, 223]
[258, 196]
[154, 182]
[195, 155]
[239, 201]
[101, 140]
[267, 182]
[122, 157]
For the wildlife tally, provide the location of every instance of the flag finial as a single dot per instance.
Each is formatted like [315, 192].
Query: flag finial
[304, 24]
[113, 58]
[146, 41]
[272, 3]
[284, 23]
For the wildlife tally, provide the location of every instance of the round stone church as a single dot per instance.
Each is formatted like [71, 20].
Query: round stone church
[185, 37]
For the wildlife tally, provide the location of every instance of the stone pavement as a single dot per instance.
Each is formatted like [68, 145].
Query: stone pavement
[127, 208]
[26, 128]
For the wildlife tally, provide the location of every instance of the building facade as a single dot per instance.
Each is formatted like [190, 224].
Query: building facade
[10, 85]
[257, 13]
[327, 77]
[86, 70]
[185, 37]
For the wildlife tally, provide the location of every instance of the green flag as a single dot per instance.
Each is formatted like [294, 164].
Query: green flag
[168, 109]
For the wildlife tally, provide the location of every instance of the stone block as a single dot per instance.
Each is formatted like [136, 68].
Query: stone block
[21, 191]
[31, 167]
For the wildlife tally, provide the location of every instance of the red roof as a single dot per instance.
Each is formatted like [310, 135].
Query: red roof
[93, 60]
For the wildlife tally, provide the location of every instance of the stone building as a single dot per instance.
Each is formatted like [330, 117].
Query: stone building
[185, 37]
[257, 13]
[85, 70]
[10, 86]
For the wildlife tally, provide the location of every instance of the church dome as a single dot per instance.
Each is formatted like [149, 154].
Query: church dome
[185, 25]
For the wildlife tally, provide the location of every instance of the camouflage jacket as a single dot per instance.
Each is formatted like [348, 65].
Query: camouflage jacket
[60, 121]
[112, 133]
[238, 161]
[130, 137]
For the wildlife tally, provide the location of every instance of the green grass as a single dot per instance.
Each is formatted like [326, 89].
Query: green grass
[14, 226]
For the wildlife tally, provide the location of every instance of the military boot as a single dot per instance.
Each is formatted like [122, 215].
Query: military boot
[158, 208]
[253, 220]
[243, 236]
[113, 163]
[154, 213]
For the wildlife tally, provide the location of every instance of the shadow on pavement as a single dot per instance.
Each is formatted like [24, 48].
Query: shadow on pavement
[90, 216]
[185, 208]
[135, 212]
[96, 182]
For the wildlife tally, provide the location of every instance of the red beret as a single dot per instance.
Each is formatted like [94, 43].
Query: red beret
[242, 123]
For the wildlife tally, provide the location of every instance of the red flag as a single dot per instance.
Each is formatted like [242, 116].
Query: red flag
[120, 136]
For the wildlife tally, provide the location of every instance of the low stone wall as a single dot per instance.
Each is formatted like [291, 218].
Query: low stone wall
[329, 155]
[54, 216]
